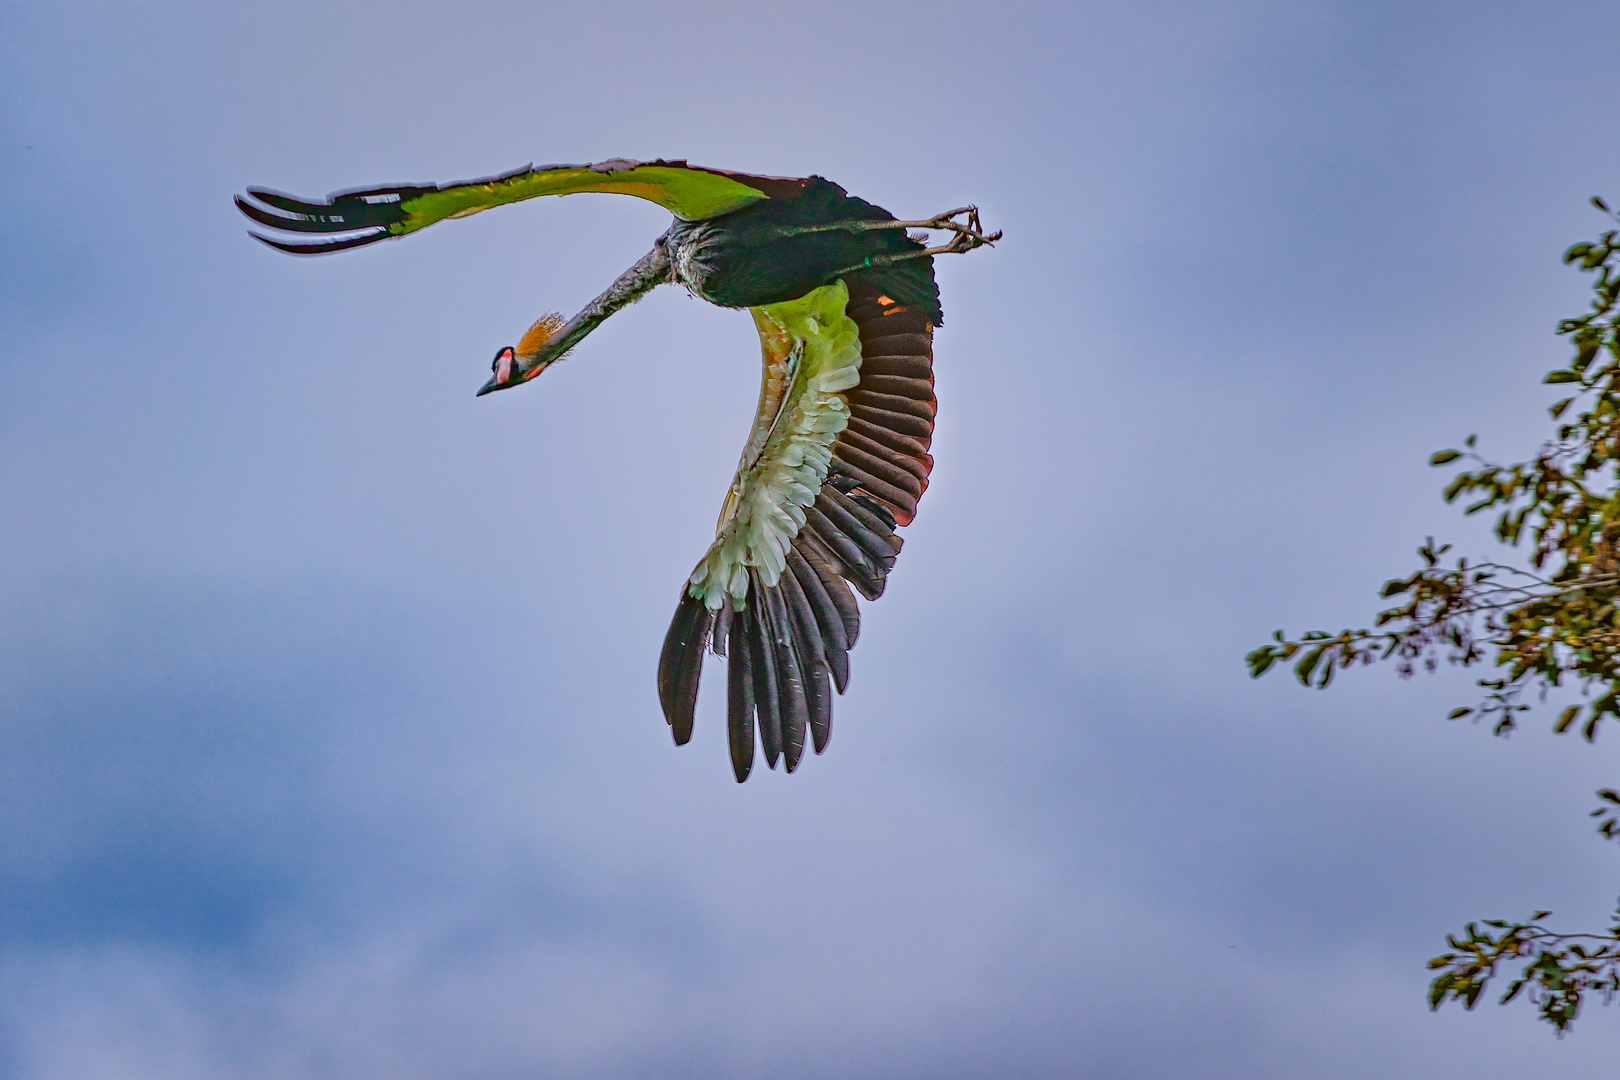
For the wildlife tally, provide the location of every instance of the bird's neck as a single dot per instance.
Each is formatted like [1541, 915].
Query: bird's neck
[652, 270]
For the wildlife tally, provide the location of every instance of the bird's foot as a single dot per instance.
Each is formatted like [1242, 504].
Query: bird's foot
[962, 223]
[966, 234]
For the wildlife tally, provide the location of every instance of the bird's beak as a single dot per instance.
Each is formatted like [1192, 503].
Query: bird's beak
[518, 378]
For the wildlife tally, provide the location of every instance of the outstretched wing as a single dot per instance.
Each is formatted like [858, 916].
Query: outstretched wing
[384, 213]
[837, 458]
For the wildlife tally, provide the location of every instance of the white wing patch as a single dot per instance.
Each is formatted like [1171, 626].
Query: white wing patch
[812, 352]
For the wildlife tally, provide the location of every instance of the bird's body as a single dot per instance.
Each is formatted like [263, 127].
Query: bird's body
[845, 303]
[779, 249]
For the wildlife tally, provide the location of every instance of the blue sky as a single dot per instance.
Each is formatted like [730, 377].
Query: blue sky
[328, 739]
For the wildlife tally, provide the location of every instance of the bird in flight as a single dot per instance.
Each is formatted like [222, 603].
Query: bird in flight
[845, 301]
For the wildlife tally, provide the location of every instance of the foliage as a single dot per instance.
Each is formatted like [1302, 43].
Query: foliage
[1551, 621]
[1560, 972]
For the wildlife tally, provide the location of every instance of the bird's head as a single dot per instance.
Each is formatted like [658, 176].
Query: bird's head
[533, 353]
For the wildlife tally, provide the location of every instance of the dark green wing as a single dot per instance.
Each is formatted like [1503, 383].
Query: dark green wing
[687, 191]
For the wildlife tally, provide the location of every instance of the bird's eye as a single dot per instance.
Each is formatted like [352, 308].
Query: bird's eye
[503, 365]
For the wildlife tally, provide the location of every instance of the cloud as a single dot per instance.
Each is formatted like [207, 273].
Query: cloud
[328, 743]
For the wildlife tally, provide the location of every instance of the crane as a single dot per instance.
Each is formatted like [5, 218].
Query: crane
[844, 298]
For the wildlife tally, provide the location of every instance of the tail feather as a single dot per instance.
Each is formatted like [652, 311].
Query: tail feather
[740, 696]
[794, 710]
[681, 664]
[762, 661]
[812, 660]
[834, 645]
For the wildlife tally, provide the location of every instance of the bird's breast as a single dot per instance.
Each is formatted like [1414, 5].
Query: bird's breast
[737, 261]
[701, 257]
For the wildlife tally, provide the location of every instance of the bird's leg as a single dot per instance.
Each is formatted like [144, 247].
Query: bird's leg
[965, 235]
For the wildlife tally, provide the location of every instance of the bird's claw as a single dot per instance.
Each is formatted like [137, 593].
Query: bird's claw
[966, 234]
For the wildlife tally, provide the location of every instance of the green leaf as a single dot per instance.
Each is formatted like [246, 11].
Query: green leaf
[1458, 714]
[1444, 457]
[1557, 409]
[1566, 718]
[1307, 665]
[1562, 375]
[1438, 988]
[1600, 204]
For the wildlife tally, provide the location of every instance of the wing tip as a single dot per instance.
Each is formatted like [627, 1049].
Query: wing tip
[343, 213]
[325, 247]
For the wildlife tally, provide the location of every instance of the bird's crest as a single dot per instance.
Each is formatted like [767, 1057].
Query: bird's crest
[543, 330]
